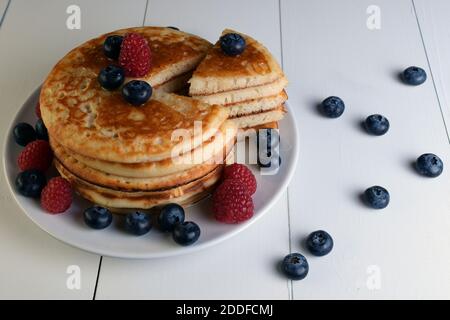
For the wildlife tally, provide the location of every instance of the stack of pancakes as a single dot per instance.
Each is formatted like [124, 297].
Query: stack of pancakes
[251, 85]
[170, 149]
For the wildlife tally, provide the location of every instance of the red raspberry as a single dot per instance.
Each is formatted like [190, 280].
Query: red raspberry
[135, 56]
[56, 197]
[241, 173]
[232, 203]
[37, 110]
[36, 155]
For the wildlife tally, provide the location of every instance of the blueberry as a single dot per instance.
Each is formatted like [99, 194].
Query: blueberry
[267, 143]
[170, 215]
[24, 133]
[376, 124]
[295, 266]
[232, 44]
[414, 76]
[97, 217]
[186, 233]
[137, 92]
[333, 107]
[138, 223]
[111, 77]
[111, 46]
[41, 130]
[319, 243]
[172, 27]
[377, 197]
[429, 165]
[30, 183]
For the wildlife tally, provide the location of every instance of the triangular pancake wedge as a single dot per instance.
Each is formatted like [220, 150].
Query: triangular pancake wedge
[219, 72]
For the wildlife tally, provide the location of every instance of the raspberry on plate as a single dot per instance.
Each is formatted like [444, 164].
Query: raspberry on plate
[232, 202]
[57, 195]
[36, 155]
[135, 55]
[241, 173]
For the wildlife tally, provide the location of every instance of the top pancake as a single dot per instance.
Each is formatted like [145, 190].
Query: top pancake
[97, 123]
[219, 72]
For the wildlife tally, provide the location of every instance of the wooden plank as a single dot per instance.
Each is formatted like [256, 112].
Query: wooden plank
[34, 265]
[328, 50]
[3, 8]
[244, 266]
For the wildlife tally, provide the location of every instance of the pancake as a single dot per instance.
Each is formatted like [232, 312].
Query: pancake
[260, 119]
[219, 72]
[256, 105]
[97, 123]
[184, 195]
[209, 152]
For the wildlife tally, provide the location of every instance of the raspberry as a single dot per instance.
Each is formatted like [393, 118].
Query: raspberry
[135, 56]
[36, 155]
[241, 173]
[56, 197]
[232, 203]
[37, 110]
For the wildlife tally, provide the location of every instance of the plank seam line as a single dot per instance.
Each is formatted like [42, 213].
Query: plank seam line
[291, 291]
[98, 276]
[4, 13]
[145, 13]
[431, 70]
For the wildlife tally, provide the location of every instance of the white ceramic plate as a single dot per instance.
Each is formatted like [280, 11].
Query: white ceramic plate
[70, 228]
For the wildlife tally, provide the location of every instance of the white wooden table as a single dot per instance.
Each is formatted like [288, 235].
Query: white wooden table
[326, 49]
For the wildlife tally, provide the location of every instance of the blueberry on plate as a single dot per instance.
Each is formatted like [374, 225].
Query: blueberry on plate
[41, 130]
[377, 124]
[414, 76]
[111, 77]
[111, 46]
[377, 197]
[267, 145]
[186, 233]
[295, 266]
[333, 107]
[429, 165]
[232, 44]
[172, 27]
[24, 133]
[30, 183]
[319, 243]
[137, 92]
[138, 223]
[169, 216]
[97, 217]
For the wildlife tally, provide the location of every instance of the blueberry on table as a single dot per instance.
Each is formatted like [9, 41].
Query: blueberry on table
[137, 92]
[169, 216]
[30, 183]
[138, 223]
[333, 107]
[377, 197]
[232, 44]
[376, 124]
[111, 46]
[414, 76]
[41, 130]
[24, 133]
[111, 77]
[429, 165]
[295, 266]
[186, 233]
[319, 243]
[97, 217]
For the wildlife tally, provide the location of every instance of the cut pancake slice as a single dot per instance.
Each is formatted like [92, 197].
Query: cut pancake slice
[219, 72]
[256, 105]
[209, 152]
[184, 195]
[261, 118]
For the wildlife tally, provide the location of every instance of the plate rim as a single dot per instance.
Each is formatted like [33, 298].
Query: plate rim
[182, 250]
